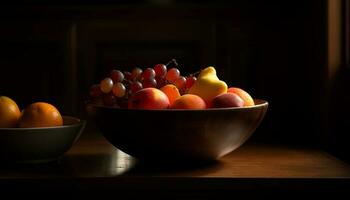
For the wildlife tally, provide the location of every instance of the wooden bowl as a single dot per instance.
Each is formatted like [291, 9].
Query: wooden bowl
[178, 134]
[37, 145]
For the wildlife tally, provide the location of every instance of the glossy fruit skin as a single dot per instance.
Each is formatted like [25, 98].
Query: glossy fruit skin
[248, 100]
[189, 101]
[148, 73]
[208, 85]
[106, 85]
[117, 76]
[149, 98]
[180, 83]
[147, 83]
[227, 100]
[9, 112]
[171, 91]
[40, 114]
[135, 86]
[136, 73]
[160, 70]
[172, 75]
[119, 89]
[190, 81]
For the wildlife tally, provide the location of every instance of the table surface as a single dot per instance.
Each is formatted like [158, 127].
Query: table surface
[93, 162]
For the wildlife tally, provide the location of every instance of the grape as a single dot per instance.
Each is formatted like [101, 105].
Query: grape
[180, 83]
[119, 89]
[160, 82]
[115, 89]
[172, 75]
[136, 73]
[149, 83]
[117, 76]
[190, 81]
[149, 73]
[127, 75]
[106, 85]
[160, 70]
[135, 86]
[95, 91]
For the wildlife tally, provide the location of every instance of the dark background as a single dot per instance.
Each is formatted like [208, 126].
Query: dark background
[277, 51]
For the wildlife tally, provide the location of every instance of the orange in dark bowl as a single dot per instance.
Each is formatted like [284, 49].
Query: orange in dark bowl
[40, 114]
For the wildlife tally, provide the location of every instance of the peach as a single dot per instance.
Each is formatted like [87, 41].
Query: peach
[189, 101]
[248, 100]
[149, 98]
[227, 100]
[171, 91]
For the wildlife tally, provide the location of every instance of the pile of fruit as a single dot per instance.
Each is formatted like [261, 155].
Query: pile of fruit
[39, 114]
[163, 88]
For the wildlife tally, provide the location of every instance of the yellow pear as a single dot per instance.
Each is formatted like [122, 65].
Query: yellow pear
[208, 85]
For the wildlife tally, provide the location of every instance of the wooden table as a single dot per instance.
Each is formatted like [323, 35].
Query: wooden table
[93, 165]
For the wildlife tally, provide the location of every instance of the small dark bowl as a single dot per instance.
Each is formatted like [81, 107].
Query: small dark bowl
[37, 145]
[178, 134]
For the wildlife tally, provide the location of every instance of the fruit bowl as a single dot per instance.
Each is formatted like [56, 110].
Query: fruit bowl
[169, 134]
[37, 145]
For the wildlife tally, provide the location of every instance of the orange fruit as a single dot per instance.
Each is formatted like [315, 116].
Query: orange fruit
[9, 112]
[40, 114]
[171, 91]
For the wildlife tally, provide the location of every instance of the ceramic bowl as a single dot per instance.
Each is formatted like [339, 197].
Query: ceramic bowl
[206, 134]
[35, 145]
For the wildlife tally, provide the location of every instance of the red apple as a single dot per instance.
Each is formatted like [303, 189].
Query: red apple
[227, 100]
[148, 98]
[248, 100]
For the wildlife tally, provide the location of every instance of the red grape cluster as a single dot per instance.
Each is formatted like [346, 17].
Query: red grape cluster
[117, 87]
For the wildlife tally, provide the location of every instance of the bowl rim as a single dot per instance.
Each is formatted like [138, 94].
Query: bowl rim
[77, 122]
[261, 103]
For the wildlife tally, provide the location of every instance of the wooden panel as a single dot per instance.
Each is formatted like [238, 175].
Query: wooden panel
[32, 71]
[339, 97]
[281, 57]
[35, 60]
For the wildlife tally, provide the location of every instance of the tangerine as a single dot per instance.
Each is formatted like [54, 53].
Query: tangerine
[40, 114]
[9, 112]
[171, 91]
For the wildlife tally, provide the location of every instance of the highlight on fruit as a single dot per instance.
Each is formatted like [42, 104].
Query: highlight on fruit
[38, 114]
[164, 87]
[9, 112]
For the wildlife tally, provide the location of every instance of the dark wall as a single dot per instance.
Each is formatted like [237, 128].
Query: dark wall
[276, 51]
